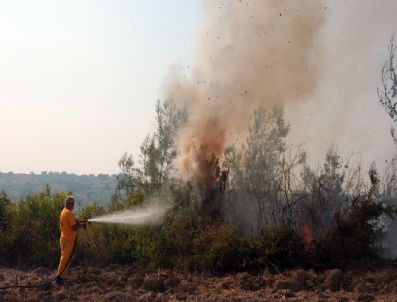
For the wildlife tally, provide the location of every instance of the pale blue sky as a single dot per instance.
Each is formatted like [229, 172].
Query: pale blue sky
[79, 79]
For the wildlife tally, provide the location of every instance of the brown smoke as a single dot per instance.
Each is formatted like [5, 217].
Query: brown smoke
[249, 54]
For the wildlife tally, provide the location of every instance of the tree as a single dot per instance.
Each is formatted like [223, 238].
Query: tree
[261, 175]
[158, 152]
[324, 193]
[387, 94]
[127, 180]
[169, 120]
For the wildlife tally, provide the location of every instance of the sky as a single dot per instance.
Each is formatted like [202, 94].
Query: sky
[79, 79]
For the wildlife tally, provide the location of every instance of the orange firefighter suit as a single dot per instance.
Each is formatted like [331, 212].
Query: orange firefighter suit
[67, 241]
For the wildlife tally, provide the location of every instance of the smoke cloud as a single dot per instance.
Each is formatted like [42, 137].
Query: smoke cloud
[321, 59]
[249, 54]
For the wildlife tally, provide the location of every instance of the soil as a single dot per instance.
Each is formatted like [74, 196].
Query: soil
[125, 283]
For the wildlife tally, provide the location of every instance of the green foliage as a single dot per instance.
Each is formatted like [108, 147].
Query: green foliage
[4, 205]
[158, 152]
[184, 241]
[91, 210]
[32, 234]
[354, 235]
[283, 248]
[218, 248]
[134, 199]
[179, 231]
[92, 244]
[128, 179]
[6, 240]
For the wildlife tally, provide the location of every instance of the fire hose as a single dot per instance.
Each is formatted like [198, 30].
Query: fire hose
[48, 282]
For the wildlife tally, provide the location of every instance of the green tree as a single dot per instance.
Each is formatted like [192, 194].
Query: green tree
[128, 179]
[158, 152]
[259, 172]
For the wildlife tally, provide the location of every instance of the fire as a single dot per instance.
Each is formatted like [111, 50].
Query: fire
[307, 235]
[203, 150]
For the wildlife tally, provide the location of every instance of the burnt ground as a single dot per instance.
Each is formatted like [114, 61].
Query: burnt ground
[124, 283]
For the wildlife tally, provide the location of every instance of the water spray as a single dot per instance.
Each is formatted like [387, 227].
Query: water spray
[151, 215]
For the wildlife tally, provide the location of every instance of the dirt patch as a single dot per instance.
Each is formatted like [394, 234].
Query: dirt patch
[333, 279]
[124, 283]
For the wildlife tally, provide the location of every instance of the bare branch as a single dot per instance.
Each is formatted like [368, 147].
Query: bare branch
[387, 94]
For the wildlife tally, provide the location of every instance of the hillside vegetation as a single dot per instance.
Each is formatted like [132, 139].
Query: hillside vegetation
[262, 208]
[86, 188]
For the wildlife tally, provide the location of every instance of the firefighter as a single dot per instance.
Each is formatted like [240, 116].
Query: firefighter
[69, 226]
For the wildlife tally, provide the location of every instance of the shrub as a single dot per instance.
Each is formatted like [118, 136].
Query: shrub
[354, 235]
[218, 248]
[29, 235]
[178, 232]
[281, 248]
[32, 233]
